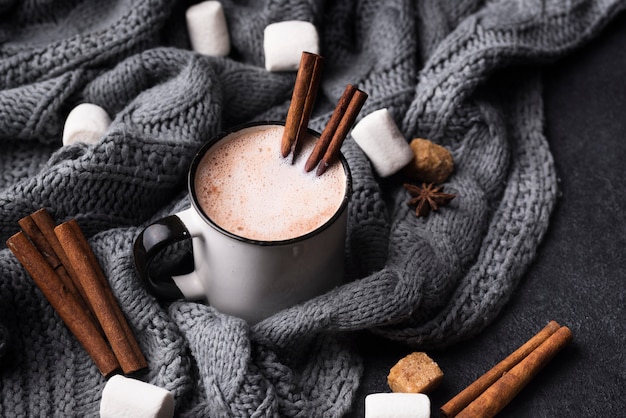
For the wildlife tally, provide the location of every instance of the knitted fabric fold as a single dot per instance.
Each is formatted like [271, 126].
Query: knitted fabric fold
[466, 75]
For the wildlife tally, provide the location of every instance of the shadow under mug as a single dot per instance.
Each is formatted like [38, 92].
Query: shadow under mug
[247, 278]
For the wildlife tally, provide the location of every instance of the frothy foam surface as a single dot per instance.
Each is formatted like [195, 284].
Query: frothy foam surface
[246, 187]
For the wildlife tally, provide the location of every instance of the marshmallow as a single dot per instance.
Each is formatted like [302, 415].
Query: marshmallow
[207, 29]
[284, 42]
[124, 397]
[85, 123]
[381, 140]
[397, 405]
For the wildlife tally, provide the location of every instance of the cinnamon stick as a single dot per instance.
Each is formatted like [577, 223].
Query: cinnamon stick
[331, 127]
[308, 104]
[90, 276]
[39, 227]
[130, 337]
[326, 152]
[64, 303]
[38, 238]
[498, 395]
[470, 393]
[46, 225]
[302, 100]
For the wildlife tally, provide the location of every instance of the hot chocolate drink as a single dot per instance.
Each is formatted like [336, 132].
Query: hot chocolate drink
[246, 187]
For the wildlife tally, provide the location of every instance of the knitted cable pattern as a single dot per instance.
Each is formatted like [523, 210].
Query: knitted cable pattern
[463, 74]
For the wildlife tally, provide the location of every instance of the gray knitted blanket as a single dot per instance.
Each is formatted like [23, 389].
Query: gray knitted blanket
[464, 74]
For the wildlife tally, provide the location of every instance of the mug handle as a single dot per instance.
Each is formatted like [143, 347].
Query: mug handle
[154, 238]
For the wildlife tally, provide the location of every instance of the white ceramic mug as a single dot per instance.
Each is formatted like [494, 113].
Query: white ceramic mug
[248, 278]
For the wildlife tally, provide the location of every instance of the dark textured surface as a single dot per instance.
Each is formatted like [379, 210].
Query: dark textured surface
[578, 276]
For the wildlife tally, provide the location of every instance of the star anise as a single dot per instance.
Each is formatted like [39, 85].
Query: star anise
[428, 197]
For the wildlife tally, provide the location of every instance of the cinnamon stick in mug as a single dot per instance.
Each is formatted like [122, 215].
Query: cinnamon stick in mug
[332, 152]
[327, 148]
[302, 100]
[331, 127]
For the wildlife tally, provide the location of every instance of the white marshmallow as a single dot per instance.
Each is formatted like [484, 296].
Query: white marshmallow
[124, 397]
[207, 29]
[381, 140]
[284, 42]
[85, 123]
[397, 405]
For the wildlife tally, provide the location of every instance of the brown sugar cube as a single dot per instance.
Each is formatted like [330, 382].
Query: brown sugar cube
[431, 163]
[415, 373]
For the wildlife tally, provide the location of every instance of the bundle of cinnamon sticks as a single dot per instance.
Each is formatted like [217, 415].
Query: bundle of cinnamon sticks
[328, 146]
[64, 267]
[490, 393]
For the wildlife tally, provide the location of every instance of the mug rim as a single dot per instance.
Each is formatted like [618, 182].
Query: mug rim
[191, 176]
